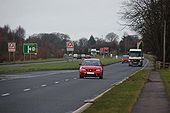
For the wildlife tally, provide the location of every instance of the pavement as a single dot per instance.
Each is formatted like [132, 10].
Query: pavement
[154, 97]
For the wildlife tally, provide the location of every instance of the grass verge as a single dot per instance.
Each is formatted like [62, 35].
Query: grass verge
[165, 75]
[35, 61]
[50, 66]
[107, 61]
[121, 98]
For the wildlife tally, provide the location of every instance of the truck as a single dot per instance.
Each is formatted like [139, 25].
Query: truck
[104, 51]
[136, 57]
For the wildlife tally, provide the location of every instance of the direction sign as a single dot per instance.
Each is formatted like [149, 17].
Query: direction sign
[70, 46]
[30, 48]
[11, 47]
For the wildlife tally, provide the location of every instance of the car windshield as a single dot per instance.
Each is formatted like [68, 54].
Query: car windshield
[135, 54]
[91, 63]
[125, 56]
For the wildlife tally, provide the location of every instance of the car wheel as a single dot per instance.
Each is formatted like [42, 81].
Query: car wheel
[81, 76]
[101, 77]
[140, 65]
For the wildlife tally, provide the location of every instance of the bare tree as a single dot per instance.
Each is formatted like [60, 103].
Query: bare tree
[147, 18]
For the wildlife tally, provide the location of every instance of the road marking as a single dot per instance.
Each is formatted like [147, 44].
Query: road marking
[44, 85]
[56, 82]
[27, 89]
[5, 94]
[2, 79]
[75, 78]
[66, 80]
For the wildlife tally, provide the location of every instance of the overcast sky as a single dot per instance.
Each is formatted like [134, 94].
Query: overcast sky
[77, 18]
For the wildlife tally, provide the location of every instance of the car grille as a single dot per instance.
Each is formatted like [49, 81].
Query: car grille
[90, 70]
[135, 60]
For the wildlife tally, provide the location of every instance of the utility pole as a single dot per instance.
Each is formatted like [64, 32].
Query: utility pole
[164, 37]
[164, 43]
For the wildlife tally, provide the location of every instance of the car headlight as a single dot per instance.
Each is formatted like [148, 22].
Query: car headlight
[82, 68]
[98, 69]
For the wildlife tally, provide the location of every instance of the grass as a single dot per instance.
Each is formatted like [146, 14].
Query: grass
[165, 75]
[37, 60]
[50, 66]
[107, 61]
[121, 98]
[40, 67]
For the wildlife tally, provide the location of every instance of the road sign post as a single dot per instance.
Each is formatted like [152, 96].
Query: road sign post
[30, 48]
[11, 49]
[70, 46]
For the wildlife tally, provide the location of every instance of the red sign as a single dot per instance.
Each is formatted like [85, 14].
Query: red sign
[70, 44]
[11, 47]
[104, 50]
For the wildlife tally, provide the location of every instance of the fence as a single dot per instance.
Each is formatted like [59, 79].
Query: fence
[159, 65]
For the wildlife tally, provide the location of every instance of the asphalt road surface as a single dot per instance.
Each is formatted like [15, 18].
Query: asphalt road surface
[56, 91]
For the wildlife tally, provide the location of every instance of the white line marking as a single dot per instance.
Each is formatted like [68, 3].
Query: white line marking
[56, 82]
[75, 78]
[2, 79]
[5, 94]
[44, 85]
[27, 89]
[66, 80]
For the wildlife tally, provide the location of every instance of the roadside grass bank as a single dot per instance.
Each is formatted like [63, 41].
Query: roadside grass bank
[108, 61]
[165, 75]
[51, 66]
[121, 98]
[35, 61]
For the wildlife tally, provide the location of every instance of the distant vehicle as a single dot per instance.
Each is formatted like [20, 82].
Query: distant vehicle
[79, 56]
[70, 55]
[104, 50]
[88, 56]
[125, 59]
[83, 55]
[75, 55]
[93, 52]
[91, 68]
[136, 57]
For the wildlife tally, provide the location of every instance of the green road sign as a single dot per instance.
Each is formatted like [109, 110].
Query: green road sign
[30, 48]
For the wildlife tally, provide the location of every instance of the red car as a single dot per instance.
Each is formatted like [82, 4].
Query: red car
[91, 68]
[125, 58]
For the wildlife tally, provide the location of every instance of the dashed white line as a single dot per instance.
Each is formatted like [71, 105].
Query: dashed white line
[56, 82]
[75, 78]
[5, 94]
[44, 85]
[27, 89]
[66, 80]
[2, 79]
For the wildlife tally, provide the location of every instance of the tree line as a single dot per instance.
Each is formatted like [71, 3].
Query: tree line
[151, 19]
[53, 45]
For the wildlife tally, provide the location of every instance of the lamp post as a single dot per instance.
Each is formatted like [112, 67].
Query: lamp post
[164, 37]
[164, 44]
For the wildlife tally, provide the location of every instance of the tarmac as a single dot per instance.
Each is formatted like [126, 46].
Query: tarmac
[154, 98]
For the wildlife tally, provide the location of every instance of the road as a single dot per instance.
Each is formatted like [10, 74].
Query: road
[56, 91]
